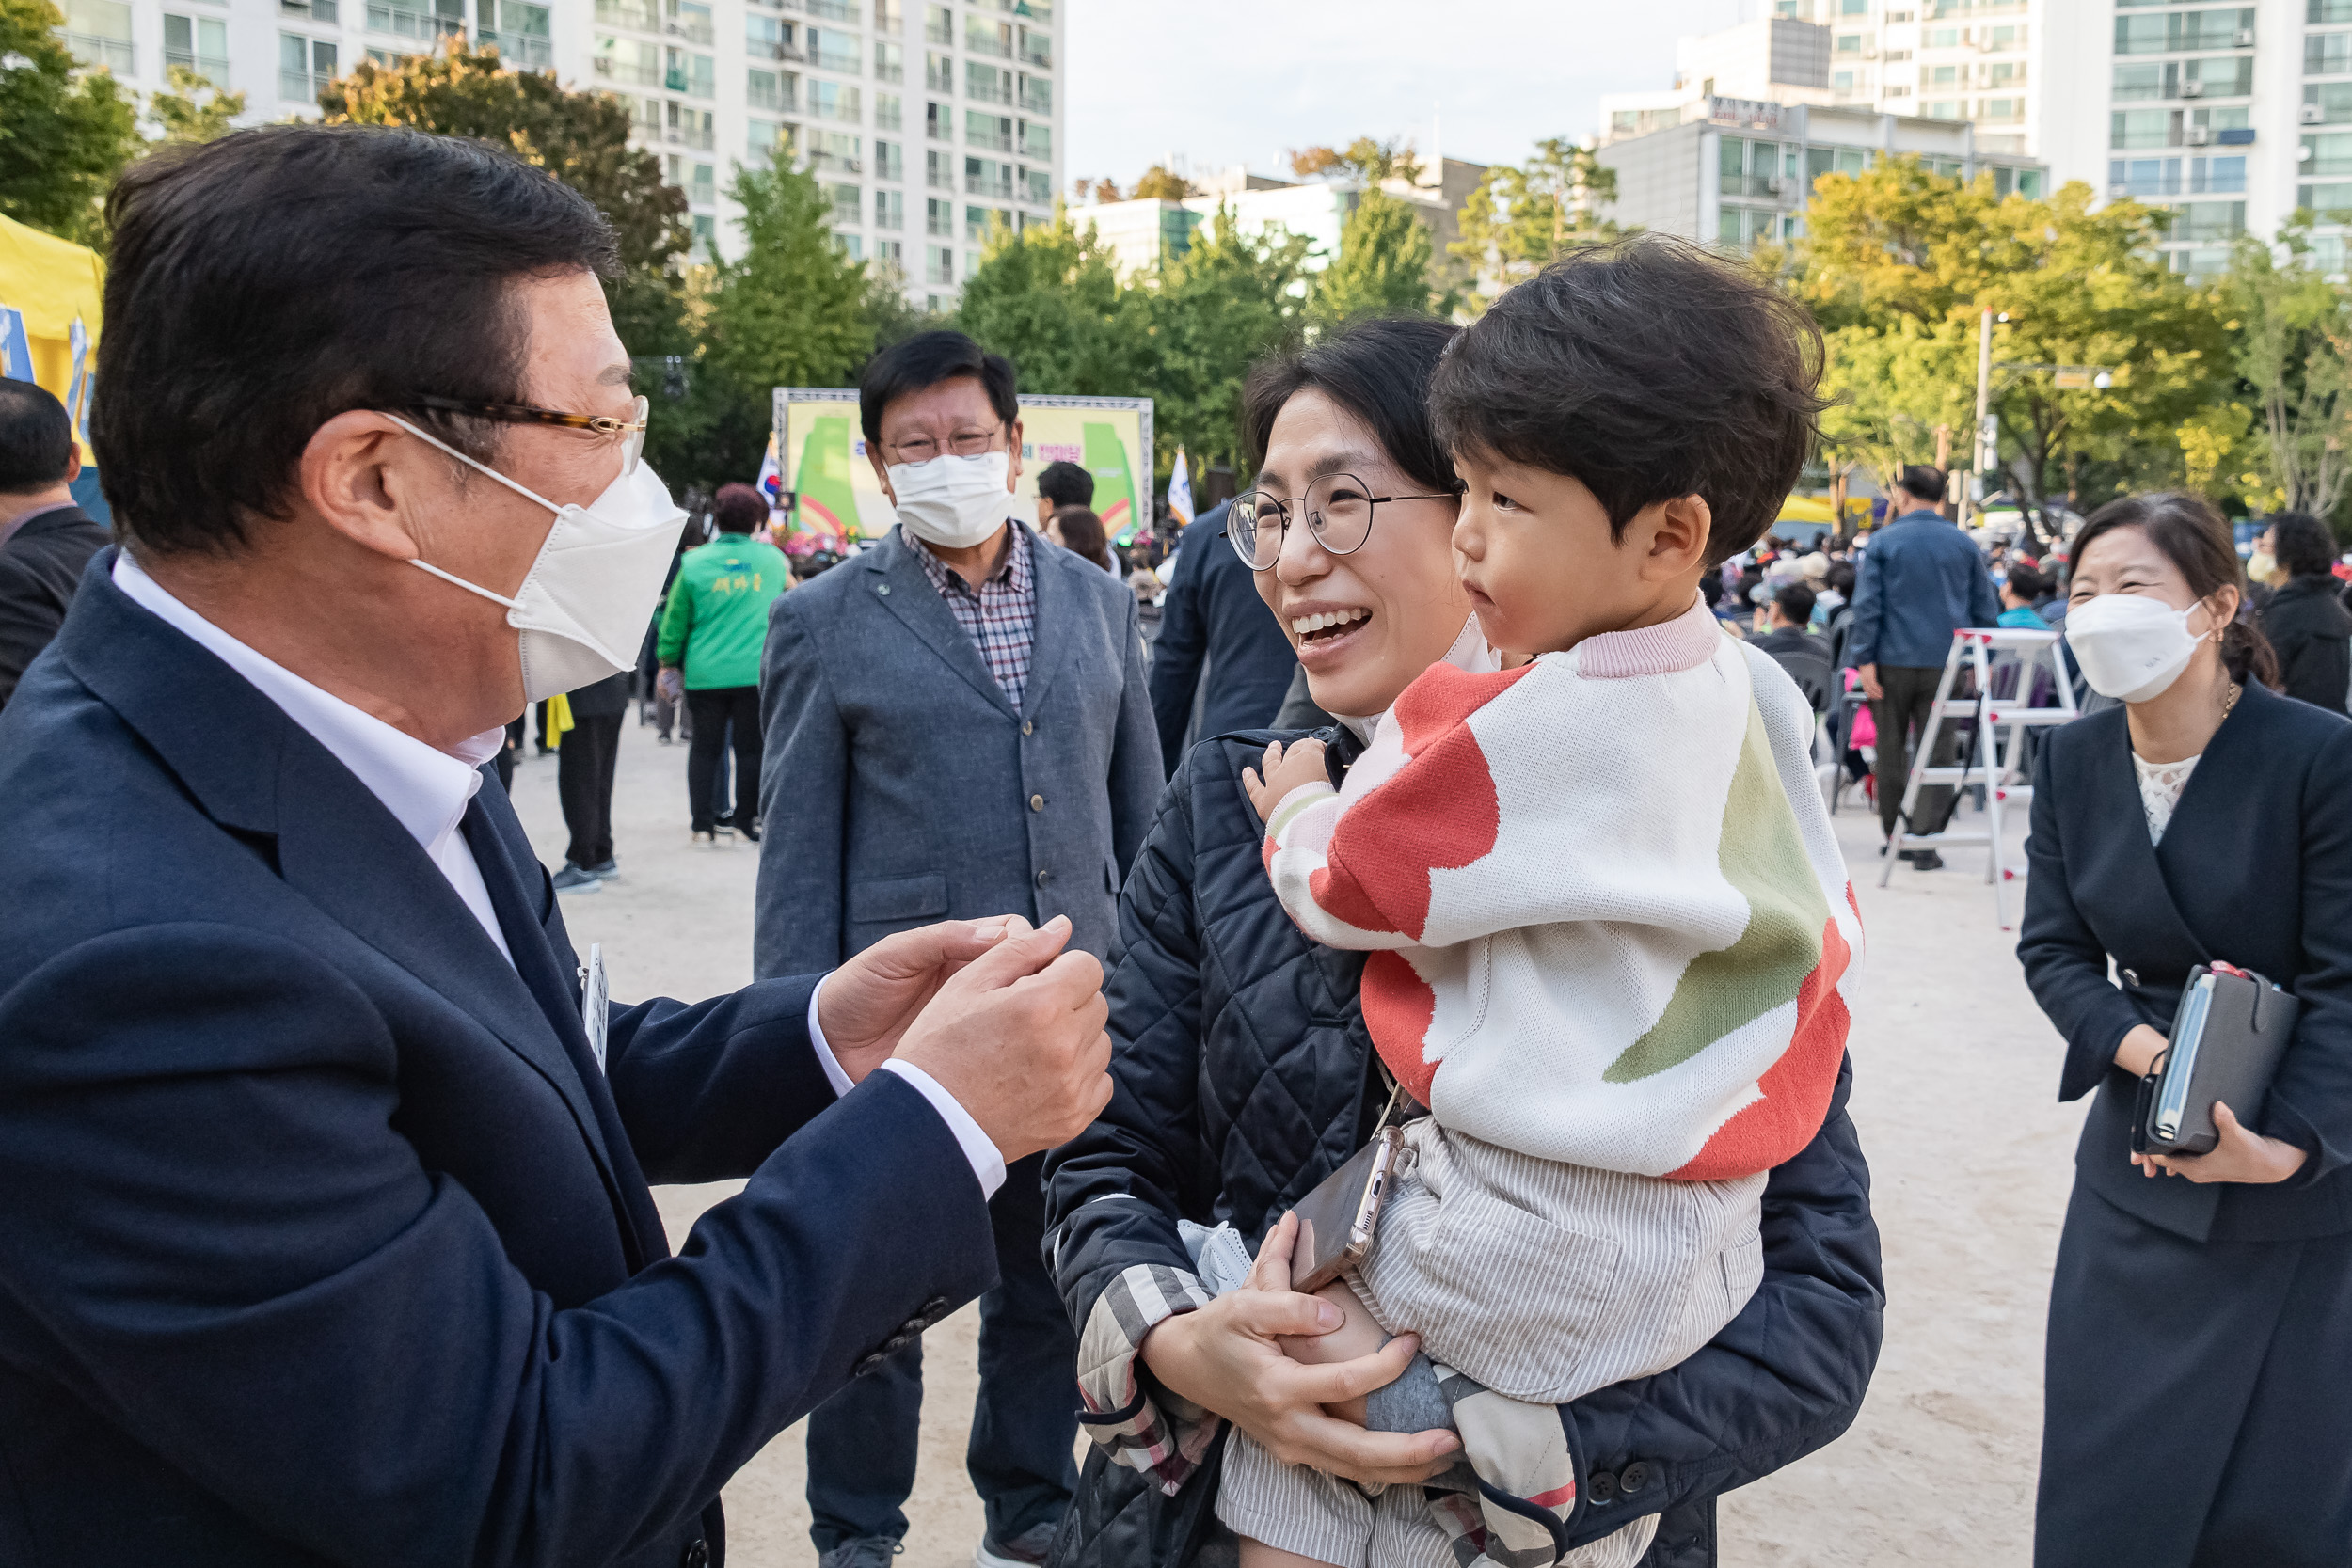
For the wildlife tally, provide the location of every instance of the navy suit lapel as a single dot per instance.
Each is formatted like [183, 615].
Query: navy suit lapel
[897, 581]
[1052, 636]
[258, 772]
[2136, 915]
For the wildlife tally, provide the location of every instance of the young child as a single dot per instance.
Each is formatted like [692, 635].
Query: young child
[1610, 927]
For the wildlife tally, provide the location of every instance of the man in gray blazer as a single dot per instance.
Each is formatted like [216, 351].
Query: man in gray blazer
[956, 723]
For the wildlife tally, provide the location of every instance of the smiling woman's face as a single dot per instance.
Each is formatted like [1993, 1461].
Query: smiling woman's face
[1366, 622]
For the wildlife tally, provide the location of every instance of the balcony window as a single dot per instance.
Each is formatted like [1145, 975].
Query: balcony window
[1841, 81]
[891, 254]
[992, 132]
[777, 92]
[305, 65]
[890, 160]
[1834, 160]
[200, 43]
[939, 26]
[976, 220]
[645, 116]
[939, 264]
[2207, 221]
[2328, 154]
[771, 143]
[851, 247]
[987, 177]
[1037, 187]
[988, 38]
[2334, 101]
[1036, 141]
[695, 75]
[1037, 95]
[2001, 111]
[890, 62]
[2319, 12]
[889, 17]
[939, 217]
[1850, 43]
[690, 20]
[2176, 32]
[421, 19]
[835, 50]
[939, 72]
[1748, 168]
[2007, 74]
[518, 31]
[771, 38]
[848, 203]
[987, 83]
[2328, 54]
[939, 170]
[706, 233]
[2005, 39]
[939, 122]
[1941, 38]
[1037, 48]
[1939, 76]
[701, 184]
[2333, 204]
[694, 129]
[836, 153]
[890, 210]
[833, 11]
[835, 101]
[310, 10]
[626, 62]
[643, 15]
[889, 112]
[2129, 129]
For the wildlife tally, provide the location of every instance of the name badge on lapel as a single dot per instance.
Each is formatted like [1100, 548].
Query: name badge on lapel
[594, 1001]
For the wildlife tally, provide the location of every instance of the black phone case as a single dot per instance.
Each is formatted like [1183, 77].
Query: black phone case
[2246, 1033]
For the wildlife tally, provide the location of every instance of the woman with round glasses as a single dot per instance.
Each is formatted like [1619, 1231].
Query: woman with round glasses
[1245, 1075]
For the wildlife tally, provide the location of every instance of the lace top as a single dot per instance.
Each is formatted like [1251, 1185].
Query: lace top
[2160, 786]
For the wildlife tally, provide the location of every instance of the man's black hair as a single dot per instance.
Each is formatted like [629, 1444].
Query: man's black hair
[263, 283]
[36, 439]
[1645, 369]
[1379, 370]
[924, 360]
[1841, 577]
[1066, 485]
[1795, 600]
[2301, 543]
[2026, 581]
[1923, 481]
[738, 509]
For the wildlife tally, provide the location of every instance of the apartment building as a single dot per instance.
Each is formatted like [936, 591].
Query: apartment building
[1737, 172]
[926, 123]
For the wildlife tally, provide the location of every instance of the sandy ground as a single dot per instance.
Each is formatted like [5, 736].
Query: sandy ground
[1970, 1156]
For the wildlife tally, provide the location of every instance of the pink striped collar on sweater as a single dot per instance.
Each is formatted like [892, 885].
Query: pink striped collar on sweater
[1685, 643]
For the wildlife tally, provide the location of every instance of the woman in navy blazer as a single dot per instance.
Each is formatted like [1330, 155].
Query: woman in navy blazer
[2200, 1318]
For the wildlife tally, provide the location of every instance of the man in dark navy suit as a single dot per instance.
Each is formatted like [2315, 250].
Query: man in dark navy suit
[328, 1237]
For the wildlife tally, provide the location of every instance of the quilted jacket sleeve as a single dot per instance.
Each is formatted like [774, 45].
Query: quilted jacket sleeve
[1113, 1195]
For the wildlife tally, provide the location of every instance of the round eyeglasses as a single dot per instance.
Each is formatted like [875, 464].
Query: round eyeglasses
[1338, 507]
[632, 428]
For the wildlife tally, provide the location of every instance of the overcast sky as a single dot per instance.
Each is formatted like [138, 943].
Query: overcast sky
[1234, 81]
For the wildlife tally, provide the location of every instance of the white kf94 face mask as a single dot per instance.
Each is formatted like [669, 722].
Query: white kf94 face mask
[584, 605]
[953, 502]
[2131, 647]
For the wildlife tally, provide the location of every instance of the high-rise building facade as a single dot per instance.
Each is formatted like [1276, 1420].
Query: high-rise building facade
[1977, 60]
[926, 124]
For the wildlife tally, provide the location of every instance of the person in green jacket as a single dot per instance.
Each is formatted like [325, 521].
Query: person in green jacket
[712, 630]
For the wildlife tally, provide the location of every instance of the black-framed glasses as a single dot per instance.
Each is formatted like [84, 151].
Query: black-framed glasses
[1338, 510]
[515, 413]
[963, 443]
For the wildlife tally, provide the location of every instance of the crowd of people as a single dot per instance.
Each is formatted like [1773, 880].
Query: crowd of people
[1447, 860]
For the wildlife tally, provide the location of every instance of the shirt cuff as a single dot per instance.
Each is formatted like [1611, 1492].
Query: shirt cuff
[988, 1165]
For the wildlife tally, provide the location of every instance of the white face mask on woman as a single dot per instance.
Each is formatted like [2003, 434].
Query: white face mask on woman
[584, 603]
[953, 502]
[2131, 647]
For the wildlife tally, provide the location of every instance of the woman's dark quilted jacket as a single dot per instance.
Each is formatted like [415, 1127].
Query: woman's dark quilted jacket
[1242, 1077]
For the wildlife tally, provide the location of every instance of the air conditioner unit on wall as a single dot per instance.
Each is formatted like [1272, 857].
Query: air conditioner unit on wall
[2198, 136]
[2244, 39]
[2315, 115]
[2192, 89]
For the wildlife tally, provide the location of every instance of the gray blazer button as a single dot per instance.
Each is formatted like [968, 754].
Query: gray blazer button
[884, 588]
[1028, 727]
[2131, 977]
[1037, 803]
[1043, 877]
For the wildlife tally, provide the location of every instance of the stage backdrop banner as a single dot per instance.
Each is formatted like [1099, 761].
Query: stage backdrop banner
[837, 497]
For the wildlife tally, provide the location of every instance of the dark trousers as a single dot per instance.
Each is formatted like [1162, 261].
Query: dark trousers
[1902, 717]
[507, 753]
[583, 782]
[2193, 1398]
[714, 709]
[861, 1441]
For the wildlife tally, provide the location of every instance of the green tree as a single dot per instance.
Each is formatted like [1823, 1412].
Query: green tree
[1202, 321]
[1160, 183]
[791, 310]
[1365, 159]
[192, 107]
[580, 137]
[1893, 388]
[2291, 336]
[65, 133]
[1048, 299]
[1521, 216]
[1383, 265]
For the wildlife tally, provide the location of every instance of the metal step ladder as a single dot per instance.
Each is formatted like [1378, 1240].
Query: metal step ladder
[1996, 729]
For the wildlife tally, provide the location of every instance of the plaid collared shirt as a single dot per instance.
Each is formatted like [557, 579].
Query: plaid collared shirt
[1000, 618]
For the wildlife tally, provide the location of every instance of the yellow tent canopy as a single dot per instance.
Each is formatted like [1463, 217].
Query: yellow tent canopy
[1805, 509]
[52, 281]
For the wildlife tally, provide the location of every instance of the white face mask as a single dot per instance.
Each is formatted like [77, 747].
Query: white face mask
[953, 502]
[2130, 646]
[584, 603]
